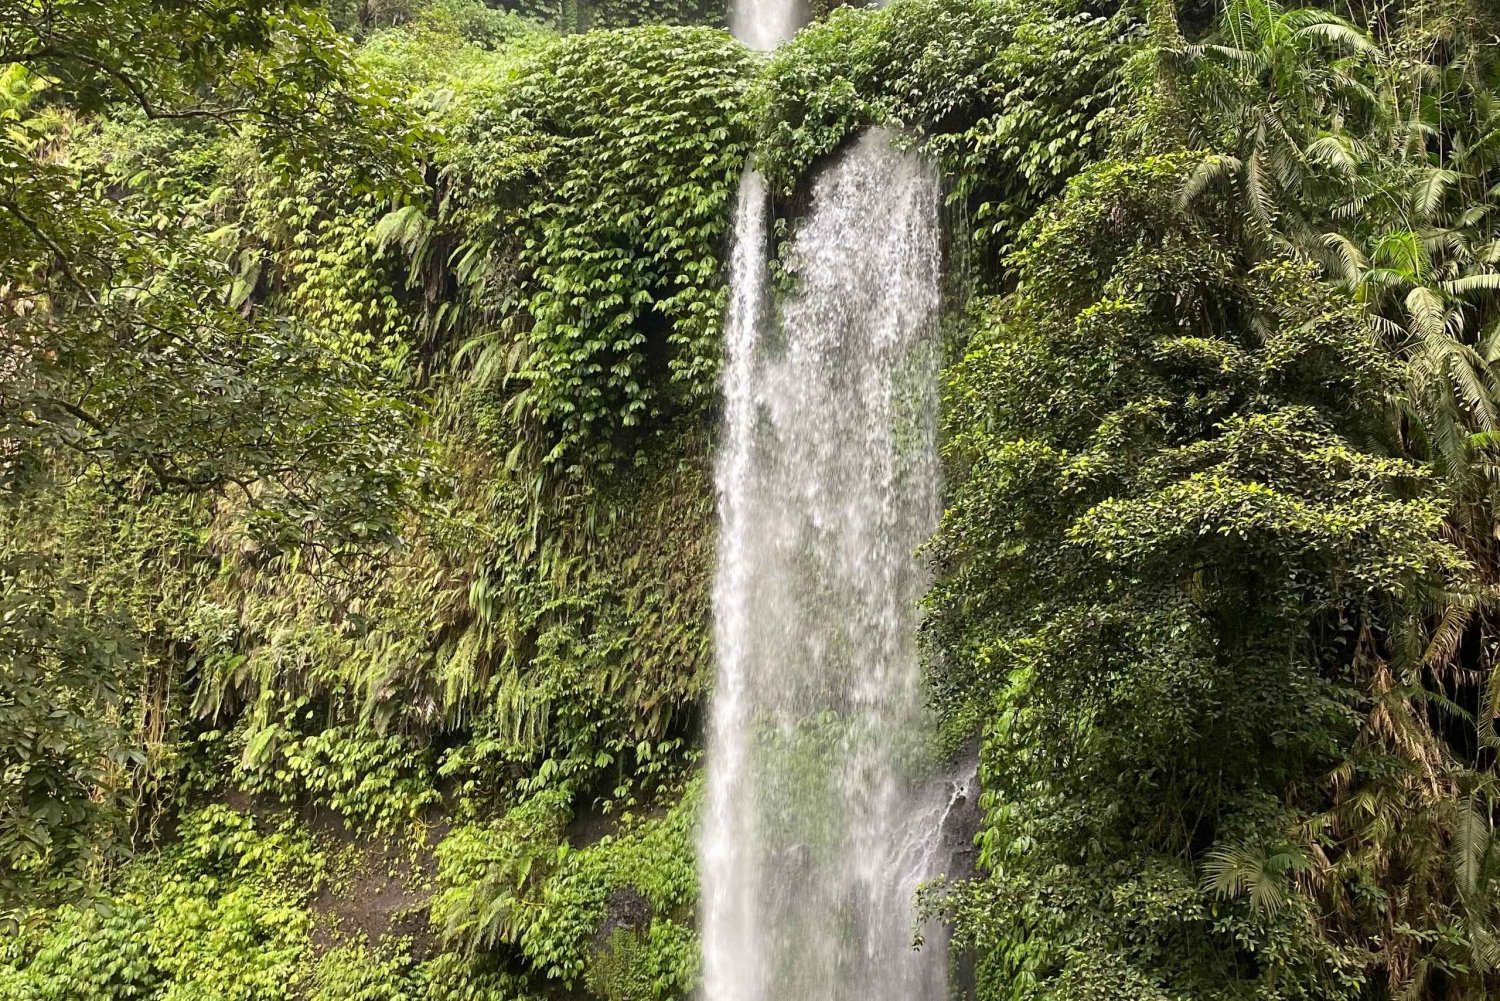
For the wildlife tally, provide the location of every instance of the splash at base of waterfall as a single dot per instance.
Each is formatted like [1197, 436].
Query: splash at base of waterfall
[821, 817]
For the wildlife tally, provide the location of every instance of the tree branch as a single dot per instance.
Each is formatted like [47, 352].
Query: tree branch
[224, 116]
[163, 475]
[47, 241]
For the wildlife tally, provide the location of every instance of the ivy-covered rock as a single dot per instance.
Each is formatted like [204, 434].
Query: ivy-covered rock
[592, 195]
[1010, 98]
[1177, 570]
[357, 411]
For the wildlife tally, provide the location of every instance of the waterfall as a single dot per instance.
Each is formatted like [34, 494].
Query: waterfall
[818, 825]
[764, 24]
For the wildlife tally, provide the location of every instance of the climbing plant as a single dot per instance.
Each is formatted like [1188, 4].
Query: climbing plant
[357, 524]
[1009, 98]
[591, 197]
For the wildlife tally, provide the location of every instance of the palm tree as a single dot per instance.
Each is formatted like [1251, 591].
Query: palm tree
[1427, 295]
[1273, 90]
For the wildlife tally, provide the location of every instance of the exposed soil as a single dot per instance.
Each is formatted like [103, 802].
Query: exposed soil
[377, 889]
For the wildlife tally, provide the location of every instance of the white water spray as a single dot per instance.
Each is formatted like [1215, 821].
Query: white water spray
[818, 830]
[764, 24]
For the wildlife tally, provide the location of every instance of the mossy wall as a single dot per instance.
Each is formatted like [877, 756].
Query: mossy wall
[374, 663]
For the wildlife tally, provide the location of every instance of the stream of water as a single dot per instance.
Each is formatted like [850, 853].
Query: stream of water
[765, 24]
[822, 815]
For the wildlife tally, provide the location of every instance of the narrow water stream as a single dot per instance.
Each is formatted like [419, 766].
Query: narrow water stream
[822, 816]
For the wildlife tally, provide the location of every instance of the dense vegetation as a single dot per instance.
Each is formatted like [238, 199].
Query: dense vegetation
[357, 399]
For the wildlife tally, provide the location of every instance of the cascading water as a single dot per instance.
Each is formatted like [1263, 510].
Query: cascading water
[764, 24]
[816, 832]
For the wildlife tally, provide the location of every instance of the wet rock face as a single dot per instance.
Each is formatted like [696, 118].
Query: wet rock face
[625, 910]
[958, 839]
[962, 822]
[957, 858]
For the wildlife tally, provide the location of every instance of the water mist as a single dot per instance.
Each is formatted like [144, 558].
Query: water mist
[818, 825]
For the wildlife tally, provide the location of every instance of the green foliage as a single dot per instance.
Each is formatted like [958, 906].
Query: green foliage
[158, 55]
[613, 915]
[380, 783]
[156, 369]
[335, 279]
[65, 751]
[583, 15]
[96, 586]
[591, 197]
[485, 871]
[446, 45]
[357, 973]
[1286, 73]
[220, 916]
[351, 973]
[1375, 156]
[562, 645]
[625, 13]
[139, 390]
[1174, 565]
[642, 878]
[1207, 603]
[1009, 98]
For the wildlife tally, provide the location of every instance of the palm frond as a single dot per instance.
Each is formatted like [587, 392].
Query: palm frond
[1264, 876]
[1488, 281]
[1341, 153]
[1331, 28]
[1208, 172]
[1428, 193]
[1351, 260]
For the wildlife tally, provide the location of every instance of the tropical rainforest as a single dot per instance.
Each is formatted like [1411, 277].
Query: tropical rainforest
[359, 388]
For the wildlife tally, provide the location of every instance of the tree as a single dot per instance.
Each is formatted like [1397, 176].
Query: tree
[129, 359]
[1278, 85]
